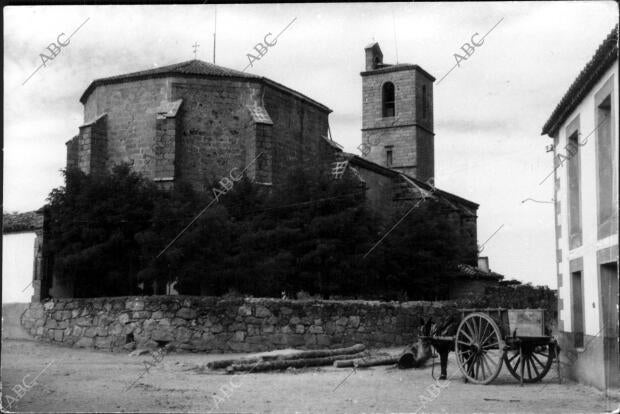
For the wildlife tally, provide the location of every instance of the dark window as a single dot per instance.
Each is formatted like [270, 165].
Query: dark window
[388, 157]
[424, 102]
[577, 299]
[388, 100]
[605, 166]
[574, 192]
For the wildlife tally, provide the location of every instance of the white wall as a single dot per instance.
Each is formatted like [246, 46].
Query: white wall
[590, 245]
[17, 262]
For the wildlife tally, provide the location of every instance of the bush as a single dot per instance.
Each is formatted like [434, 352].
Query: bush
[112, 235]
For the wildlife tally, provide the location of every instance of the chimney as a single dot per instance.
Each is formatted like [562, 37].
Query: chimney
[483, 264]
[374, 56]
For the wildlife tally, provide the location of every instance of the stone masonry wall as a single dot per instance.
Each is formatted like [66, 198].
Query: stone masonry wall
[296, 134]
[210, 324]
[131, 109]
[215, 128]
[410, 132]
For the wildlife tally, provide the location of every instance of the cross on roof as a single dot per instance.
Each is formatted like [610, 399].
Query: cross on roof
[195, 46]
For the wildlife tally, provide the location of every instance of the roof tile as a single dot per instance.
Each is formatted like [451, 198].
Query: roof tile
[605, 56]
[193, 68]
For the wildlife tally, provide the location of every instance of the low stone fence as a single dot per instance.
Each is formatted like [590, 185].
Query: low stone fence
[210, 324]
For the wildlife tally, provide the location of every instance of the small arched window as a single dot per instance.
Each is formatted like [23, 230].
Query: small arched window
[388, 100]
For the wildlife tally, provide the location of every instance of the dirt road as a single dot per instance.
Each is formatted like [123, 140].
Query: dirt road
[83, 380]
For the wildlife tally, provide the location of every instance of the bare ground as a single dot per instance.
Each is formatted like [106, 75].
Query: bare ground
[86, 380]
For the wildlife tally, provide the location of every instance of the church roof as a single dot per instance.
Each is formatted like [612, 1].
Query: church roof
[455, 201]
[477, 273]
[605, 56]
[386, 67]
[192, 68]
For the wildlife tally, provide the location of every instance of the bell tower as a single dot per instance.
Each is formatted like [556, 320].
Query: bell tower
[397, 115]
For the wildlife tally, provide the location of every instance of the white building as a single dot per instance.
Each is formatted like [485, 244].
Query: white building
[584, 129]
[17, 266]
[20, 255]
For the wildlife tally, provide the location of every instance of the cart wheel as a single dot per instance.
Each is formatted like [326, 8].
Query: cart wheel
[479, 348]
[537, 360]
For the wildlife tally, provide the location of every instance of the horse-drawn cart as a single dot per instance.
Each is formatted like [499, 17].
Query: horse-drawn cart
[487, 338]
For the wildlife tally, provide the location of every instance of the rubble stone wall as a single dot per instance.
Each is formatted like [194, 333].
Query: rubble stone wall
[211, 324]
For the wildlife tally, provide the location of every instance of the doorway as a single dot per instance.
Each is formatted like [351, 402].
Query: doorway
[610, 319]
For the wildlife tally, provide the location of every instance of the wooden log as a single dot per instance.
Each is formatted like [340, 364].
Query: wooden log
[319, 353]
[223, 363]
[290, 363]
[344, 363]
[366, 362]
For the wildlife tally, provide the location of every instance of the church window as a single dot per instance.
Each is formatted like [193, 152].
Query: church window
[388, 156]
[388, 100]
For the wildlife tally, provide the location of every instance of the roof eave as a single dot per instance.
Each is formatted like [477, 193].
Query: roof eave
[397, 68]
[454, 197]
[604, 57]
[297, 94]
[130, 78]
[104, 81]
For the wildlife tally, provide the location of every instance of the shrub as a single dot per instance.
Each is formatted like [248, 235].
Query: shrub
[112, 235]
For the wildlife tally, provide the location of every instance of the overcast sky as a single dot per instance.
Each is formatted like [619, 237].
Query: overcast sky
[489, 111]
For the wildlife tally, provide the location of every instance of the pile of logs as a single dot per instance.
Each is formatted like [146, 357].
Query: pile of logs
[302, 359]
[353, 356]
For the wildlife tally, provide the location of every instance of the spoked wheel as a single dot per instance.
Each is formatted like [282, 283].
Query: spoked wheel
[479, 348]
[535, 363]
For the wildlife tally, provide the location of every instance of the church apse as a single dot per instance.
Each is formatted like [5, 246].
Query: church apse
[194, 122]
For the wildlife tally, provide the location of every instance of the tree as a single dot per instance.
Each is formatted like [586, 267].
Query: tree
[116, 232]
[93, 223]
[420, 254]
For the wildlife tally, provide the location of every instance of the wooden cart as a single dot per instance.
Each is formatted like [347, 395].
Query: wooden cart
[487, 338]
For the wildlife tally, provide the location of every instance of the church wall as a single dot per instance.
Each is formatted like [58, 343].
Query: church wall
[72, 153]
[379, 192]
[131, 108]
[425, 155]
[297, 131]
[92, 147]
[262, 168]
[217, 132]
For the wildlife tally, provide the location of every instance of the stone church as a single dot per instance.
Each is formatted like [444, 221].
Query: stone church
[195, 121]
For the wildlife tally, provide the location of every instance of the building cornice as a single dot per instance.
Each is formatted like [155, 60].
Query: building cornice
[603, 59]
[398, 68]
[399, 126]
